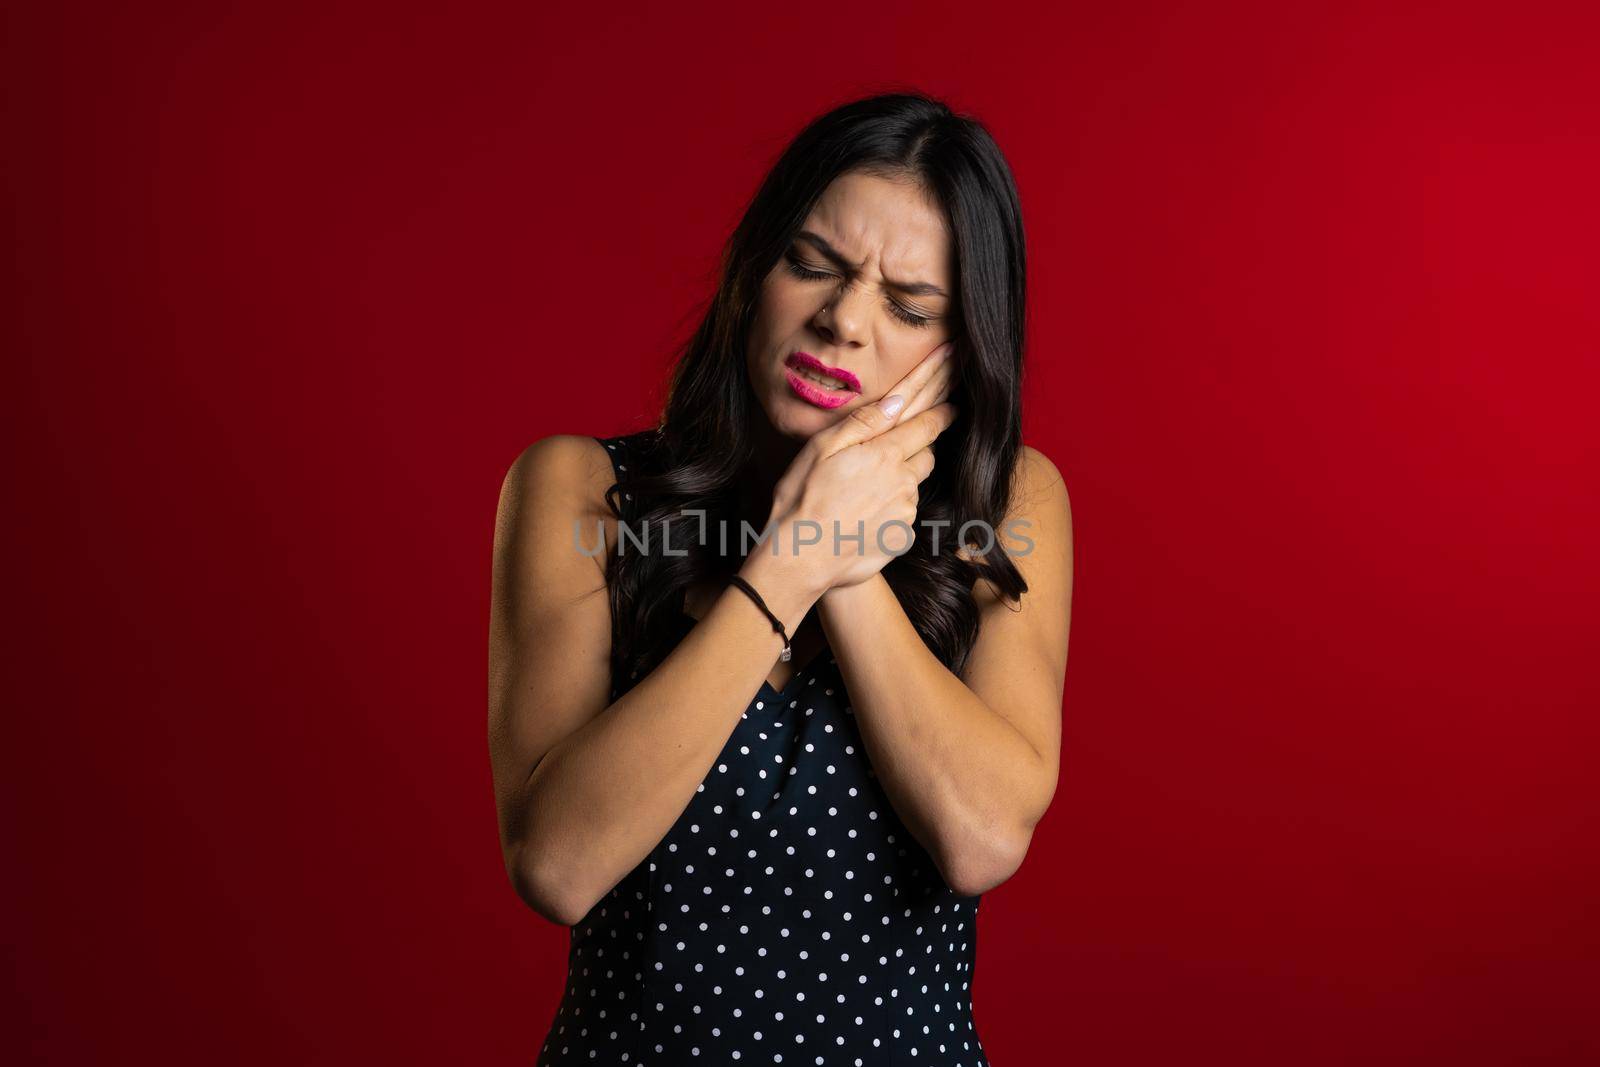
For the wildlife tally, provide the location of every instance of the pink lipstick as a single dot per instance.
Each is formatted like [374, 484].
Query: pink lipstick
[816, 383]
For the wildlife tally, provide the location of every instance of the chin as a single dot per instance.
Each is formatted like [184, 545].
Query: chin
[799, 420]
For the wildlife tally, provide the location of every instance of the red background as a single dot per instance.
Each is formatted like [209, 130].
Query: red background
[1313, 338]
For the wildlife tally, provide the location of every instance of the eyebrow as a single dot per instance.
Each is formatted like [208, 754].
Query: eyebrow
[839, 259]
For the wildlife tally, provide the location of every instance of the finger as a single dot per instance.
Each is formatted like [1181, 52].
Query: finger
[918, 432]
[914, 379]
[862, 424]
[921, 462]
[870, 420]
[923, 386]
[936, 390]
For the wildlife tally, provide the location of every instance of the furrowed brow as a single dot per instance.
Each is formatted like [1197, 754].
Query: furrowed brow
[839, 260]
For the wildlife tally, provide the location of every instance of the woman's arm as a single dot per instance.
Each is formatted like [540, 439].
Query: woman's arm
[584, 787]
[970, 763]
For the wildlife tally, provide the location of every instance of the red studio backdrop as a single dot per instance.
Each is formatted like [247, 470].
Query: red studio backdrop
[1313, 338]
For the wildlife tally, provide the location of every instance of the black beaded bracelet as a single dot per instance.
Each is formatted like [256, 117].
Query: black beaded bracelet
[777, 626]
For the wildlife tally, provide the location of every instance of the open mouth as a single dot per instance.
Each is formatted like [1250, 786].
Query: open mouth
[809, 368]
[818, 379]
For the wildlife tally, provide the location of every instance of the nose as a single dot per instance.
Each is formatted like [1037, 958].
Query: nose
[842, 319]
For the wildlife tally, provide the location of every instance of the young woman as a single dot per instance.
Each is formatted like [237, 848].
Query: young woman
[766, 783]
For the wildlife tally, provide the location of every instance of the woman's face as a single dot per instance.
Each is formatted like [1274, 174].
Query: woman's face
[864, 293]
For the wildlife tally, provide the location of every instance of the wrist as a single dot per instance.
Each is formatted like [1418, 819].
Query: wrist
[786, 583]
[844, 595]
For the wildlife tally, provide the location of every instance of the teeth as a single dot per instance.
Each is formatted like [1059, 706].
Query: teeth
[821, 379]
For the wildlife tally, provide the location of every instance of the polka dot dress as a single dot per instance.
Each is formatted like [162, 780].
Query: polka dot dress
[787, 916]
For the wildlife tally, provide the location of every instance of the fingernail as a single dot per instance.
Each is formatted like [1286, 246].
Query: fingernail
[893, 404]
[947, 348]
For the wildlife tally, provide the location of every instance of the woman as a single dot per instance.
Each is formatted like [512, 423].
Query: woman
[767, 783]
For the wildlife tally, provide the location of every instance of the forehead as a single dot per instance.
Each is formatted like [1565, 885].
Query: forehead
[894, 222]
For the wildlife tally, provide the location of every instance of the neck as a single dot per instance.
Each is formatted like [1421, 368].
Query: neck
[770, 456]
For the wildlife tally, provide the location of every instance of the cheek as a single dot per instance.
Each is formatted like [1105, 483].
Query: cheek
[787, 303]
[901, 365]
[780, 314]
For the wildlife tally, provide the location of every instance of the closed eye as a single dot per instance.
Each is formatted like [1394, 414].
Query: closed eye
[805, 273]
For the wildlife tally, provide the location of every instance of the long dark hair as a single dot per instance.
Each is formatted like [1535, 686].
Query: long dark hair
[695, 455]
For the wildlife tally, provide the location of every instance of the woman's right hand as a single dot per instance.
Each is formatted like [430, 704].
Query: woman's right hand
[861, 475]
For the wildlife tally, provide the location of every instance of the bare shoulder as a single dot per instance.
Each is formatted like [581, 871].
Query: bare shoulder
[1039, 486]
[565, 473]
[556, 481]
[1040, 508]
[560, 464]
[1037, 531]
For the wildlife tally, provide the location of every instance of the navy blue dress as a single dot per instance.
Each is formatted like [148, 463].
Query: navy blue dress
[787, 916]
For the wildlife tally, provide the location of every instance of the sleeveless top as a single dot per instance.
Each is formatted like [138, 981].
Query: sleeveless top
[788, 916]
